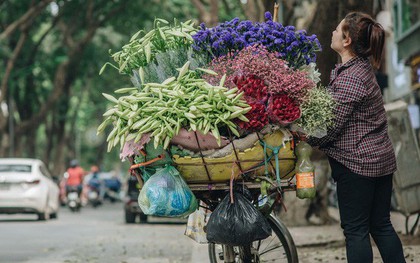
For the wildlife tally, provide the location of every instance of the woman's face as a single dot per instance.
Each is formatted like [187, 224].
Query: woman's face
[337, 40]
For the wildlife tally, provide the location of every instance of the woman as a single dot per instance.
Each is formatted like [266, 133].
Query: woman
[360, 152]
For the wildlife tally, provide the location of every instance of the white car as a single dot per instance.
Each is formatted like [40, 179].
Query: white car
[26, 186]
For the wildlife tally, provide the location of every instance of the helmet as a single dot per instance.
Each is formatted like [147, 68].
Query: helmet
[74, 163]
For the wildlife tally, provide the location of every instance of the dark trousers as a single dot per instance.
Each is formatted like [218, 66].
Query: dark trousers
[364, 204]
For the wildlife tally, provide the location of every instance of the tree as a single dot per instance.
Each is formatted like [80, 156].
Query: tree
[47, 49]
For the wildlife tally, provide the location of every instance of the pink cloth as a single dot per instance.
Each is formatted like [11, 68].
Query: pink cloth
[187, 140]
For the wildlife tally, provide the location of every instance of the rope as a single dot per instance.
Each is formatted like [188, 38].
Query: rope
[275, 151]
[202, 156]
[232, 177]
[138, 165]
[238, 162]
[260, 139]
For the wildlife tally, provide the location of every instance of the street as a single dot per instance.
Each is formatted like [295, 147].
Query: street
[95, 235]
[101, 236]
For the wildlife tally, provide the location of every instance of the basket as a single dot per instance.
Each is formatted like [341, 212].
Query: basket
[272, 155]
[241, 164]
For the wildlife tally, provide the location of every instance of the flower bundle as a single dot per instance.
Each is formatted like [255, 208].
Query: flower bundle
[317, 112]
[272, 89]
[243, 75]
[144, 48]
[296, 47]
[256, 95]
[160, 110]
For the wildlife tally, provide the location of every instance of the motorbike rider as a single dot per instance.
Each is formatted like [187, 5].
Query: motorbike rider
[75, 176]
[95, 182]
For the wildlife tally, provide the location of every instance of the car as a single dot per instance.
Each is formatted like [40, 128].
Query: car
[27, 187]
[131, 207]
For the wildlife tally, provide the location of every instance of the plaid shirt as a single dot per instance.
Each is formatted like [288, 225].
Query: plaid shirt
[359, 139]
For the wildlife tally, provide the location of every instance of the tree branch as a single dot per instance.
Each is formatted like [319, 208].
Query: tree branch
[41, 39]
[63, 78]
[227, 7]
[9, 68]
[214, 12]
[25, 19]
[201, 10]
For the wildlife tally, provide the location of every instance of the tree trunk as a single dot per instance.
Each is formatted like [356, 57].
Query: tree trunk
[328, 15]
[50, 138]
[325, 21]
[209, 17]
[60, 133]
[23, 24]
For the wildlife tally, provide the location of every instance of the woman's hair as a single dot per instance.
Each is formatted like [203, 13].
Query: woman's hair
[367, 36]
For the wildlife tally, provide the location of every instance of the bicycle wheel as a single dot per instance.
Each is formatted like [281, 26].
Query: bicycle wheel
[279, 247]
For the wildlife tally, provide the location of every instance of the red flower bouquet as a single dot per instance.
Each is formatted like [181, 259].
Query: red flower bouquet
[282, 109]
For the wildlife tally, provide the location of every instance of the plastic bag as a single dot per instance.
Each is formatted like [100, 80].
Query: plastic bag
[147, 172]
[167, 194]
[237, 224]
[196, 225]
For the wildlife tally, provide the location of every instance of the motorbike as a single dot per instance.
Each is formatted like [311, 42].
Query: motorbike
[93, 196]
[73, 198]
[112, 189]
[113, 195]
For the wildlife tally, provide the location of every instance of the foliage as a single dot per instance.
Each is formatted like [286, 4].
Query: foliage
[57, 68]
[166, 65]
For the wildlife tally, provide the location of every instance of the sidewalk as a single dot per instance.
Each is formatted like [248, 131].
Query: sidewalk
[327, 244]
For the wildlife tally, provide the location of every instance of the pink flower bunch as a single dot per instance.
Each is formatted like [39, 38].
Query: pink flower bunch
[222, 65]
[293, 83]
[259, 62]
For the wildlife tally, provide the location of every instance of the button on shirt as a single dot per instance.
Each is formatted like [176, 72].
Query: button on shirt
[359, 139]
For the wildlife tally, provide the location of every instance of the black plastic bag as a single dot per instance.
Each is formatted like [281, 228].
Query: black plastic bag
[237, 224]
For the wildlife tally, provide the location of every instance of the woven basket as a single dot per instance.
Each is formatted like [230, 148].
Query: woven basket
[239, 163]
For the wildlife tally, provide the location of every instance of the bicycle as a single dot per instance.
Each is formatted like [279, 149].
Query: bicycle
[279, 247]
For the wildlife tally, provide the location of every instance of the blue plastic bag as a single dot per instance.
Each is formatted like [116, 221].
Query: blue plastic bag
[167, 194]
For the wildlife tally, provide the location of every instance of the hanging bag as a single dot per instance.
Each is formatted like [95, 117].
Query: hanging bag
[238, 223]
[196, 225]
[166, 194]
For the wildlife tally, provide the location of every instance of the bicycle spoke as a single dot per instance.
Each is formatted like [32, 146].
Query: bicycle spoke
[266, 251]
[269, 243]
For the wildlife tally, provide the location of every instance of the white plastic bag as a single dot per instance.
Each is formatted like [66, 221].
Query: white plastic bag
[196, 225]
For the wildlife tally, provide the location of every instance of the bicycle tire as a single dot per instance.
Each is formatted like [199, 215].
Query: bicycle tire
[283, 234]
